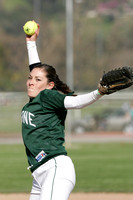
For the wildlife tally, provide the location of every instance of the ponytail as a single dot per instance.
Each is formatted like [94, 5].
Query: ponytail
[59, 85]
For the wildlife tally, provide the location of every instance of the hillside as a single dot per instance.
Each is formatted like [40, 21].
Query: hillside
[102, 39]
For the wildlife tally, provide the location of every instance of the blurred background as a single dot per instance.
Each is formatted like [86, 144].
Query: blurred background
[101, 38]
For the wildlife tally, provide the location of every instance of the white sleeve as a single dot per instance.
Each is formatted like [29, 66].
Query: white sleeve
[80, 101]
[32, 52]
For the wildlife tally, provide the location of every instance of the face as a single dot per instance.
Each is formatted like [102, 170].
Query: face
[37, 81]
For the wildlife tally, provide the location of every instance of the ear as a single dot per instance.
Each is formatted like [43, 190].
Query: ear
[50, 85]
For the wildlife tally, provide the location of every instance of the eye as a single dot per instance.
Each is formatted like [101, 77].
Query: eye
[38, 79]
[29, 77]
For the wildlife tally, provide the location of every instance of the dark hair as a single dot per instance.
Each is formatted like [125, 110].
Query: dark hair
[53, 77]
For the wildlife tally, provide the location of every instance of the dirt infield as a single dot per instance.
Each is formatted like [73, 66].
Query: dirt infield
[76, 196]
[94, 137]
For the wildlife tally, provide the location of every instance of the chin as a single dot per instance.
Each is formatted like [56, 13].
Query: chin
[32, 95]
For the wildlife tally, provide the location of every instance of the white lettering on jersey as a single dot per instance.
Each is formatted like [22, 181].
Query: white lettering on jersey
[26, 118]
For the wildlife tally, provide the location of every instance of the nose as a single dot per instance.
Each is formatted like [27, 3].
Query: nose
[31, 82]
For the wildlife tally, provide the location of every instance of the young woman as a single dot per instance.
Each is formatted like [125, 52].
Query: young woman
[43, 119]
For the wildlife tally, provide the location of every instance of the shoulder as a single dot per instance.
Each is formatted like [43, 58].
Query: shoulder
[51, 93]
[53, 98]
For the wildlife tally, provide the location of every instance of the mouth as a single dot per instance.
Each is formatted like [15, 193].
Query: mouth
[30, 89]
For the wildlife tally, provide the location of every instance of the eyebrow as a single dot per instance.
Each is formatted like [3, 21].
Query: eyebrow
[35, 76]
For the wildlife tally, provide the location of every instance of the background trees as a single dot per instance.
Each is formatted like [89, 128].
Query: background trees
[103, 32]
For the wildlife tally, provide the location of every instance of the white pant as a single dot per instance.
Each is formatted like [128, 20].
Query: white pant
[54, 180]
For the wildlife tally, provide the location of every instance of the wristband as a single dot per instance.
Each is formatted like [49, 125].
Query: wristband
[99, 92]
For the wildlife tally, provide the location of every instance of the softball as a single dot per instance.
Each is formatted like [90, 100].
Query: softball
[30, 27]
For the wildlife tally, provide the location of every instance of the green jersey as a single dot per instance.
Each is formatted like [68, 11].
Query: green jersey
[43, 121]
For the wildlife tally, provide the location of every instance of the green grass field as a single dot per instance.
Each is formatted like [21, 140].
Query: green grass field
[99, 168]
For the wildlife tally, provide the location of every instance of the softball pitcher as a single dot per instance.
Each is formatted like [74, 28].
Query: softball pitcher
[43, 119]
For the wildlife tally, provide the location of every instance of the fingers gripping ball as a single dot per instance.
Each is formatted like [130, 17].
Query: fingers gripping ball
[30, 27]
